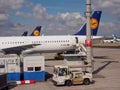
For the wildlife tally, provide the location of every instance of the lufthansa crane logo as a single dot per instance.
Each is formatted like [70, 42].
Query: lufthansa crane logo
[36, 33]
[94, 23]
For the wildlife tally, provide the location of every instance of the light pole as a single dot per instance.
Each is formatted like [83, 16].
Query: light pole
[88, 33]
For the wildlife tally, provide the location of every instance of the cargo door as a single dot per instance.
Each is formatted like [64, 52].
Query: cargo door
[76, 38]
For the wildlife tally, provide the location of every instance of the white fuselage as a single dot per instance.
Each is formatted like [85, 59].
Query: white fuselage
[42, 43]
[112, 41]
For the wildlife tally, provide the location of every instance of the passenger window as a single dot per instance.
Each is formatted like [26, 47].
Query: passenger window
[30, 68]
[37, 68]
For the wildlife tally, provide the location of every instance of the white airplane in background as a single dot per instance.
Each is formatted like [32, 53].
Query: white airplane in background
[114, 40]
[40, 44]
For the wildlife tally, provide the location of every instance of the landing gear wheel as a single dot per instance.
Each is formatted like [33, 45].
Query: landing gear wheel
[86, 81]
[69, 83]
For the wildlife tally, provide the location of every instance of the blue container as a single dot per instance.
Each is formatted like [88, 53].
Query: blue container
[14, 76]
[38, 76]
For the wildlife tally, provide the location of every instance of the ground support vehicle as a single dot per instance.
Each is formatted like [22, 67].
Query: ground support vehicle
[63, 75]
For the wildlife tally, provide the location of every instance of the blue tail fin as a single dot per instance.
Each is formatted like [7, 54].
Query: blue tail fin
[25, 33]
[95, 19]
[36, 31]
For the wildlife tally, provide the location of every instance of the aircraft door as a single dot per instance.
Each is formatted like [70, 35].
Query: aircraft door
[76, 39]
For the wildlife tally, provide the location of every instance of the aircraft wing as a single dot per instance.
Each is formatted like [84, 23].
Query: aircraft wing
[18, 49]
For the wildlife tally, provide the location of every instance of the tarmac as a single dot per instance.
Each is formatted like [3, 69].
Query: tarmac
[106, 73]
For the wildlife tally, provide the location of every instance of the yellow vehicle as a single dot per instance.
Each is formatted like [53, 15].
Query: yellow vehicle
[58, 56]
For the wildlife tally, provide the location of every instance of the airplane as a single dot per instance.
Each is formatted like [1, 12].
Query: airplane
[93, 30]
[42, 44]
[114, 40]
[36, 32]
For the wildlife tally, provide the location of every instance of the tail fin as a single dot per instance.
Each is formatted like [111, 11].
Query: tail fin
[95, 19]
[114, 36]
[36, 31]
[25, 33]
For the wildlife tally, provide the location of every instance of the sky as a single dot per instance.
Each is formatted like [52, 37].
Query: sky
[57, 17]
